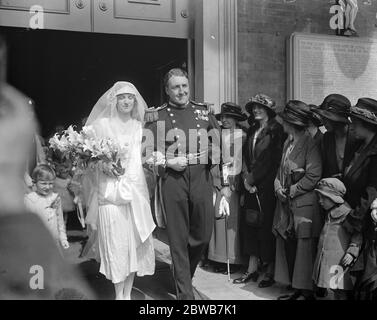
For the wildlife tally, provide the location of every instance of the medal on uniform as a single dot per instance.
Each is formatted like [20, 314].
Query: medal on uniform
[202, 114]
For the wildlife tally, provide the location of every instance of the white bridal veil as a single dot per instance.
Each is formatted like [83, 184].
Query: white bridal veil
[106, 105]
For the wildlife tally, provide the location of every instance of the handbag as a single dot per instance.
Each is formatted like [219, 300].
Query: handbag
[253, 217]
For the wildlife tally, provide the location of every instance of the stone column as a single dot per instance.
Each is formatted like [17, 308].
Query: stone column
[216, 51]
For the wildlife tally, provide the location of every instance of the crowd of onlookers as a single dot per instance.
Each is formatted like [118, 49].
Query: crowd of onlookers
[301, 209]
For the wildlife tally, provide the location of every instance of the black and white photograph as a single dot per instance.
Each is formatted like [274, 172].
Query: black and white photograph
[212, 151]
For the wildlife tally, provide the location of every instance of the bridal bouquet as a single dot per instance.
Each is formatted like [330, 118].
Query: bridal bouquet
[84, 148]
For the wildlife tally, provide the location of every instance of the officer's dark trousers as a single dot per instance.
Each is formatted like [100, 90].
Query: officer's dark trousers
[189, 210]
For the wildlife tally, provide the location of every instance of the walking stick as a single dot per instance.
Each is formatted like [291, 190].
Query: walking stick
[227, 247]
[226, 242]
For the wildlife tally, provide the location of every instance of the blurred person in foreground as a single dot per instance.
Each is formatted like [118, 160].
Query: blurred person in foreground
[30, 264]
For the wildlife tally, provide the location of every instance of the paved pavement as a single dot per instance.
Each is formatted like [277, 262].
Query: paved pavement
[216, 286]
[160, 286]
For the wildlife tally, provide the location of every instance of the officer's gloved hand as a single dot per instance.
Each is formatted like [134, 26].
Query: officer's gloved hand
[226, 192]
[224, 207]
[177, 163]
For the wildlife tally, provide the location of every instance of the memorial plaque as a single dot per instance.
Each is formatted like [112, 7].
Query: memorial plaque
[319, 65]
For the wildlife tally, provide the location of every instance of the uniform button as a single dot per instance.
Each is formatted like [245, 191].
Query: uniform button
[172, 115]
[198, 125]
[196, 118]
[177, 137]
[173, 121]
[199, 134]
[179, 144]
[169, 109]
[175, 128]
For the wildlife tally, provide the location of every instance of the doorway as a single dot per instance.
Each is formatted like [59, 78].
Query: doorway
[66, 72]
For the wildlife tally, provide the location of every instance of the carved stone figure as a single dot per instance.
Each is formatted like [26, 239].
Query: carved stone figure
[350, 9]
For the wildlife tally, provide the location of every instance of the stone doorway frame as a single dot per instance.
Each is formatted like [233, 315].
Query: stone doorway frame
[215, 52]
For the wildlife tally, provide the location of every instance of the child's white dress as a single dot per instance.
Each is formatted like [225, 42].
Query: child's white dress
[51, 217]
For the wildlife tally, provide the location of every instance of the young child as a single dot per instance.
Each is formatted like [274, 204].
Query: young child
[339, 243]
[47, 204]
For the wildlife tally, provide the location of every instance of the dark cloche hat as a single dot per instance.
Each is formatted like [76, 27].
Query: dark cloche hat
[366, 110]
[296, 112]
[314, 116]
[335, 107]
[233, 110]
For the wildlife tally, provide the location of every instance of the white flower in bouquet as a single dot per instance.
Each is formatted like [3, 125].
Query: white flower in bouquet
[84, 148]
[111, 152]
[107, 149]
[89, 133]
[90, 145]
[71, 144]
[75, 139]
[59, 142]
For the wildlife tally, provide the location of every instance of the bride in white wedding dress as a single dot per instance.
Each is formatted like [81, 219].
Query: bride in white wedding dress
[119, 207]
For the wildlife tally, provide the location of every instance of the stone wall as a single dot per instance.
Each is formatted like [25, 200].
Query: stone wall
[264, 26]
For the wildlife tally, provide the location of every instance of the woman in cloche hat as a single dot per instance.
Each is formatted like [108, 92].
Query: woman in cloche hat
[232, 139]
[360, 180]
[297, 221]
[262, 153]
[338, 143]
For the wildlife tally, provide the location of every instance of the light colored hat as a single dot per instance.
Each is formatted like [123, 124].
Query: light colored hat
[263, 100]
[125, 89]
[332, 188]
[365, 110]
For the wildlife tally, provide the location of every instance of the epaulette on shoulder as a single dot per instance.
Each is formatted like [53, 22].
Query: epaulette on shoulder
[151, 114]
[208, 106]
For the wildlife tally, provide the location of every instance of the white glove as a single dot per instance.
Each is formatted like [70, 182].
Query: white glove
[224, 207]
[177, 163]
